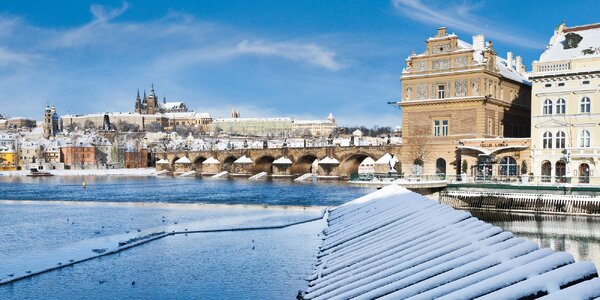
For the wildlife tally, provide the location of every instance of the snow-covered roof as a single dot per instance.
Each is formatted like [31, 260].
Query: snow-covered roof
[590, 40]
[211, 160]
[243, 160]
[385, 159]
[436, 252]
[162, 161]
[357, 132]
[253, 119]
[183, 160]
[510, 72]
[329, 161]
[367, 161]
[282, 161]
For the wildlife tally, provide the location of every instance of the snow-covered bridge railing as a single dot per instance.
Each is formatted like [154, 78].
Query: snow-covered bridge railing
[522, 202]
[396, 244]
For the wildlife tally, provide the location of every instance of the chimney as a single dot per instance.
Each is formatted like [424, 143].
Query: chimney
[441, 32]
[509, 59]
[520, 66]
[478, 42]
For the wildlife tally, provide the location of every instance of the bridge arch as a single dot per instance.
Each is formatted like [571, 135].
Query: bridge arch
[228, 163]
[264, 164]
[174, 160]
[304, 164]
[349, 164]
[197, 163]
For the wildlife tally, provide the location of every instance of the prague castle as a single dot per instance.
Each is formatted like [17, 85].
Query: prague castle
[148, 111]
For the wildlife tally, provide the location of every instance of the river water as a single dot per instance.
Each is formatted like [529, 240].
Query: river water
[259, 264]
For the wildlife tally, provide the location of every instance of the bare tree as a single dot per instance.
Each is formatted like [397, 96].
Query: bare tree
[154, 127]
[417, 146]
[125, 126]
[88, 124]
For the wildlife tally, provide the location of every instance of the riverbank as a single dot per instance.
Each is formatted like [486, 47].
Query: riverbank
[99, 172]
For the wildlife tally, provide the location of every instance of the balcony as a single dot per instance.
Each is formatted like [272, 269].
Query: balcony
[551, 67]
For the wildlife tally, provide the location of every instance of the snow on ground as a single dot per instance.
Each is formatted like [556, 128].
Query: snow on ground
[99, 172]
[396, 244]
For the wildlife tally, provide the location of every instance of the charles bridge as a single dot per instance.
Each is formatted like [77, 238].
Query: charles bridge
[342, 161]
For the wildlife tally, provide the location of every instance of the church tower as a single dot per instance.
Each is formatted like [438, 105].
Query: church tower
[152, 107]
[51, 122]
[138, 103]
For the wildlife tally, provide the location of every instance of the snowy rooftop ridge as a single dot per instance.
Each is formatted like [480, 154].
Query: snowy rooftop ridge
[584, 43]
[396, 244]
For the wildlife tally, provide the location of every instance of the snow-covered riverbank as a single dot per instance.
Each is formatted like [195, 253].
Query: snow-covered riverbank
[99, 172]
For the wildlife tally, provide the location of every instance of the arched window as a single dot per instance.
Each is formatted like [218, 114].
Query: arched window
[440, 166]
[547, 107]
[584, 173]
[561, 106]
[585, 105]
[560, 140]
[547, 140]
[546, 171]
[584, 139]
[560, 171]
[508, 166]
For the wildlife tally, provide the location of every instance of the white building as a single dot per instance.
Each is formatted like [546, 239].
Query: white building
[565, 125]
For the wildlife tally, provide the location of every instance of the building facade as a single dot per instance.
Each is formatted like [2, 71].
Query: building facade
[80, 156]
[316, 128]
[455, 91]
[275, 127]
[565, 127]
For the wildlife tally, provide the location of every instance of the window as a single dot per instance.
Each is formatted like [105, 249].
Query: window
[561, 84]
[584, 139]
[441, 91]
[546, 171]
[508, 166]
[436, 128]
[560, 140]
[586, 82]
[561, 106]
[584, 105]
[548, 85]
[445, 127]
[560, 171]
[547, 140]
[584, 173]
[547, 107]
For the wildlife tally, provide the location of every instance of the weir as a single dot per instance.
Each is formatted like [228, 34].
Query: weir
[138, 241]
[522, 202]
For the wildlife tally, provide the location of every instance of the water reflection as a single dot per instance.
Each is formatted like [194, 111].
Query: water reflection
[577, 235]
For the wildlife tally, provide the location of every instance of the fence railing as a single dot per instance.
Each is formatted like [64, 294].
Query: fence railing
[500, 179]
[522, 202]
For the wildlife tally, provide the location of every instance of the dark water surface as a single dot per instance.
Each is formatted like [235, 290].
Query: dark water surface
[178, 190]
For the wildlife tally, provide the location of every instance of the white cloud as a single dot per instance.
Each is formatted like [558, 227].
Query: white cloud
[10, 58]
[461, 17]
[309, 53]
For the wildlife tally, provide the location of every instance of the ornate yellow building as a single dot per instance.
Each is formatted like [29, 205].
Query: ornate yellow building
[565, 127]
[7, 159]
[455, 91]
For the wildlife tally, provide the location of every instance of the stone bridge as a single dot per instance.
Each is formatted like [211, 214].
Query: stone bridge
[300, 160]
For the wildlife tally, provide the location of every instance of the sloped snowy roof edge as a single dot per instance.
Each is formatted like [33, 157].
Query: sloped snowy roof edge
[436, 252]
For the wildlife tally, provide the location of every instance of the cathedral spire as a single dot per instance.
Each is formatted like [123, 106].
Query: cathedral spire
[152, 89]
[138, 94]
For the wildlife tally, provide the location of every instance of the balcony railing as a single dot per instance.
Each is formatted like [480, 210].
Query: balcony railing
[552, 67]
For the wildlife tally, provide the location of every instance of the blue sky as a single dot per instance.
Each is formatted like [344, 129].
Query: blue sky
[269, 58]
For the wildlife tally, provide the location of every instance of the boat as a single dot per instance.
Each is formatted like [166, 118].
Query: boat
[34, 172]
